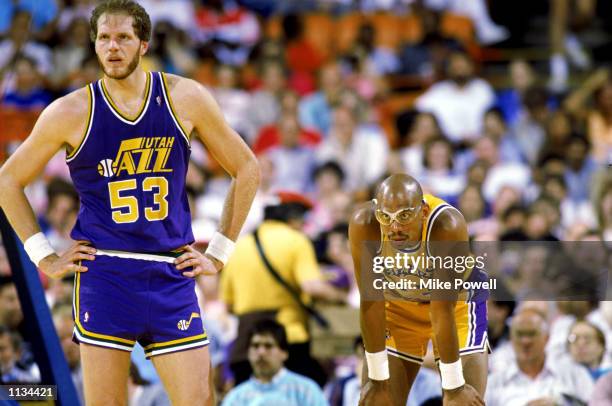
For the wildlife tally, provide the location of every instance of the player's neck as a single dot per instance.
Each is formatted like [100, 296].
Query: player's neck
[127, 88]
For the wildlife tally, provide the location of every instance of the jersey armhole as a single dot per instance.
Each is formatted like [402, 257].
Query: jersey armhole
[91, 106]
[172, 110]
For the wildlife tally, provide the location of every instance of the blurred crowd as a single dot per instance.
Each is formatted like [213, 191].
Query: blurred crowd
[508, 119]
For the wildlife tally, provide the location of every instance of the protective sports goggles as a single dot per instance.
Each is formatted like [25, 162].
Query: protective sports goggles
[402, 216]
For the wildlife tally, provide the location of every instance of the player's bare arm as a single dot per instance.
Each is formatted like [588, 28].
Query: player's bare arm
[450, 231]
[200, 114]
[364, 231]
[60, 125]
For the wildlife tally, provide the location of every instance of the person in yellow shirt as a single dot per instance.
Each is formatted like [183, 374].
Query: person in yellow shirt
[252, 293]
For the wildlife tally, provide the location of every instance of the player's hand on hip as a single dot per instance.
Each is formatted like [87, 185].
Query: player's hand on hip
[375, 393]
[201, 264]
[463, 396]
[56, 267]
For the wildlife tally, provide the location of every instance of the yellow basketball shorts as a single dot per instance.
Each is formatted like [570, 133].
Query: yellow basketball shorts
[409, 329]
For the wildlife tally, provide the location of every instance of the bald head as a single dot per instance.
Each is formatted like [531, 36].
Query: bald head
[399, 191]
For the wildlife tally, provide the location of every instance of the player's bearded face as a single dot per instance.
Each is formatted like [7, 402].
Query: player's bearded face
[118, 48]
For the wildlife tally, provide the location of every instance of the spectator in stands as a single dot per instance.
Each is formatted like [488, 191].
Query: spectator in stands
[498, 313]
[495, 126]
[229, 29]
[587, 346]
[233, 101]
[18, 43]
[169, 50]
[598, 87]
[270, 136]
[64, 324]
[10, 348]
[361, 154]
[439, 174]
[530, 128]
[293, 162]
[572, 212]
[43, 14]
[580, 168]
[459, 102]
[315, 110]
[510, 101]
[422, 128]
[76, 9]
[472, 205]
[246, 276]
[559, 128]
[271, 383]
[331, 201]
[265, 107]
[11, 315]
[69, 56]
[28, 92]
[534, 377]
[303, 58]
[346, 390]
[62, 205]
[499, 173]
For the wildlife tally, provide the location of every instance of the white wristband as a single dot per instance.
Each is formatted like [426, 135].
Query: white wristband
[452, 375]
[378, 365]
[220, 247]
[37, 247]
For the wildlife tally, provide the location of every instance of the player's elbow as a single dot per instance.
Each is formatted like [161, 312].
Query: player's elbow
[249, 168]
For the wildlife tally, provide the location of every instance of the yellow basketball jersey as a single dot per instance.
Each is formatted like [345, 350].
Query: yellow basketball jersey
[413, 275]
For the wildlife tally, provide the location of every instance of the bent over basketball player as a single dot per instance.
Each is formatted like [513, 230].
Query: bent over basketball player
[127, 138]
[397, 324]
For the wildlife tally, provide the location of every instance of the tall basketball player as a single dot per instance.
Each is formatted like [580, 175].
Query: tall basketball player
[127, 139]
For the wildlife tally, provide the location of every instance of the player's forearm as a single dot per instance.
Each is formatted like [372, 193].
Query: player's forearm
[17, 208]
[442, 315]
[373, 325]
[239, 199]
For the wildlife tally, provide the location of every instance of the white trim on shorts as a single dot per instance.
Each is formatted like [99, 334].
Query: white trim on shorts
[135, 255]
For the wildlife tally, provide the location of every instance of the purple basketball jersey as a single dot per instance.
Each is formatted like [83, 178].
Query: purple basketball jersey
[130, 174]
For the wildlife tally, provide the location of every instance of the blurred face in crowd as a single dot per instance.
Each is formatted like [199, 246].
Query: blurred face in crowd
[226, 77]
[289, 102]
[537, 225]
[576, 153]
[494, 125]
[289, 131]
[559, 127]
[327, 182]
[273, 77]
[471, 204]
[79, 32]
[117, 46]
[343, 125]
[331, 79]
[26, 76]
[486, 150]
[59, 210]
[554, 187]
[438, 156]
[265, 356]
[460, 69]
[521, 74]
[423, 129]
[506, 197]
[7, 353]
[20, 27]
[477, 172]
[10, 308]
[64, 326]
[585, 344]
[529, 335]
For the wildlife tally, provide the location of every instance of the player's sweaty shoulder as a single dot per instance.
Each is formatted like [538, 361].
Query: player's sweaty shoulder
[185, 93]
[450, 225]
[67, 116]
